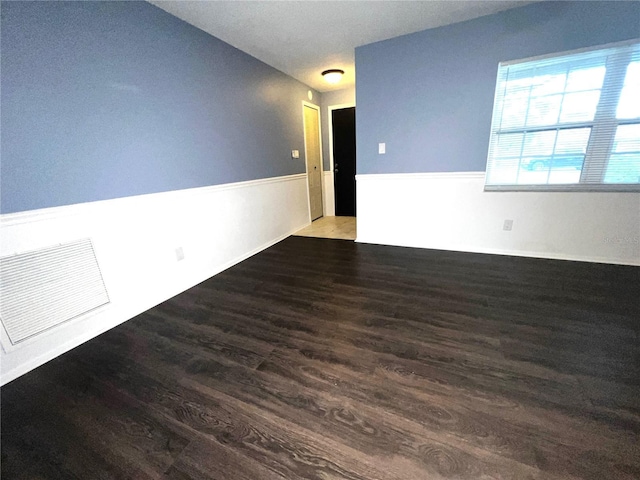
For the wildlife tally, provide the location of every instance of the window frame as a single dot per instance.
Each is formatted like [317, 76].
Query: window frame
[603, 125]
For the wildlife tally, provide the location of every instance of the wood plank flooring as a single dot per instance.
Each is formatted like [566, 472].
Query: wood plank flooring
[325, 359]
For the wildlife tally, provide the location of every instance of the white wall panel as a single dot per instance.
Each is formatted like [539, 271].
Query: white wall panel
[328, 195]
[135, 241]
[450, 211]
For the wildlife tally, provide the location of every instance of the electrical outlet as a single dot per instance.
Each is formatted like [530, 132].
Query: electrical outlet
[179, 254]
[508, 225]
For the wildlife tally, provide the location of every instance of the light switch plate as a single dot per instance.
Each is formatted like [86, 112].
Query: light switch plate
[382, 148]
[295, 153]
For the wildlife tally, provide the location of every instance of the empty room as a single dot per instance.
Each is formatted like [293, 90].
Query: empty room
[320, 240]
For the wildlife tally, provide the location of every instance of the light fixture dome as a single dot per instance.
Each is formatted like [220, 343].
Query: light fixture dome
[333, 75]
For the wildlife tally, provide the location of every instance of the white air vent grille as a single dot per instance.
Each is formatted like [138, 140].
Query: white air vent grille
[42, 289]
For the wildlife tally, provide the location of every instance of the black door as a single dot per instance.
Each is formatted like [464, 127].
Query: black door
[344, 160]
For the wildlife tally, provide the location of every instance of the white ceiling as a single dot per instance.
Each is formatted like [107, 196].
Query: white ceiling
[303, 38]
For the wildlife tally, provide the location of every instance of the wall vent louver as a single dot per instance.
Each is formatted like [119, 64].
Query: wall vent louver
[42, 289]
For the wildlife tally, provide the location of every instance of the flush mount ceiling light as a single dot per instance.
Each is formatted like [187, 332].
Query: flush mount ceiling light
[333, 75]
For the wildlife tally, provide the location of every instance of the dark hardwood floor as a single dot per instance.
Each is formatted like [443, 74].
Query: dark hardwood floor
[325, 359]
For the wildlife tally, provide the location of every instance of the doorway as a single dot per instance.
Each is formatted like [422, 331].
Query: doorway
[343, 121]
[313, 158]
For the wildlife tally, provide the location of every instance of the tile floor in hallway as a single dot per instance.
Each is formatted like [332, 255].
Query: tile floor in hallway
[343, 228]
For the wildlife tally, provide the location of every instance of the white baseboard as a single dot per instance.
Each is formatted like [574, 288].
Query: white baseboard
[135, 239]
[328, 194]
[450, 211]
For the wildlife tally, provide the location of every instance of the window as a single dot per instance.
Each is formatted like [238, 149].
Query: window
[568, 122]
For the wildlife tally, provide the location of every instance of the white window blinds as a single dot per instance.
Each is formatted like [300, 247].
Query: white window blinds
[568, 122]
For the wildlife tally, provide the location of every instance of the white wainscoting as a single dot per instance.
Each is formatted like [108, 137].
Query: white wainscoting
[135, 241]
[328, 194]
[450, 211]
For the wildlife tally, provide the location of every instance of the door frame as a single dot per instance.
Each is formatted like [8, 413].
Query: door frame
[322, 189]
[330, 109]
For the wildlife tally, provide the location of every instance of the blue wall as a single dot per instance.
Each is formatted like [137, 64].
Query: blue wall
[110, 99]
[429, 95]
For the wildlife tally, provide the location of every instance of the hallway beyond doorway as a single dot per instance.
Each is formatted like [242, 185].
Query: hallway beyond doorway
[343, 228]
